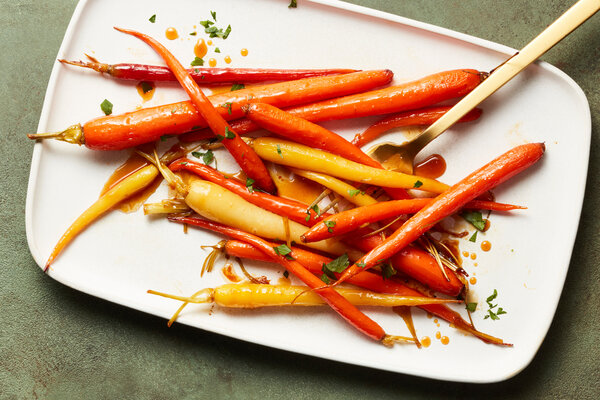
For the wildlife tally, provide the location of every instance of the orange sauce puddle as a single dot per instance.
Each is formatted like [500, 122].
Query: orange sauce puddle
[293, 187]
[432, 167]
[473, 280]
[171, 33]
[405, 313]
[212, 62]
[445, 340]
[486, 246]
[130, 166]
[473, 256]
[438, 335]
[145, 90]
[244, 52]
[200, 48]
[229, 273]
[227, 60]
[426, 341]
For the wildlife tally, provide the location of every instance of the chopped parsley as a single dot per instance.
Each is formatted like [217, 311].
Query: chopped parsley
[193, 33]
[152, 18]
[471, 307]
[197, 62]
[207, 157]
[249, 183]
[307, 218]
[473, 238]
[281, 155]
[475, 219]
[417, 184]
[283, 250]
[219, 138]
[213, 14]
[329, 225]
[217, 50]
[237, 86]
[355, 192]
[213, 31]
[229, 134]
[325, 279]
[316, 209]
[361, 264]
[146, 86]
[106, 107]
[293, 4]
[491, 313]
[338, 265]
[227, 105]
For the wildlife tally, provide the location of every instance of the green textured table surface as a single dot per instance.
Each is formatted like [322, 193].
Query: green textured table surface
[57, 343]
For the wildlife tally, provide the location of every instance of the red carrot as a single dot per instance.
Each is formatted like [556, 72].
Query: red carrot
[421, 93]
[205, 76]
[246, 158]
[117, 132]
[449, 202]
[292, 209]
[336, 301]
[350, 220]
[366, 279]
[425, 116]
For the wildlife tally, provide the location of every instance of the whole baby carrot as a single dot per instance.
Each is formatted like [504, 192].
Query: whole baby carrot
[117, 132]
[205, 76]
[243, 154]
[417, 94]
[366, 279]
[292, 209]
[336, 301]
[424, 116]
[350, 220]
[485, 178]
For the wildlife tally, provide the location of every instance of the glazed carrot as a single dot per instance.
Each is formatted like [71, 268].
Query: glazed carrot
[246, 158]
[305, 132]
[255, 295]
[367, 279]
[131, 184]
[117, 132]
[421, 93]
[447, 203]
[350, 220]
[336, 301]
[292, 209]
[205, 76]
[304, 157]
[425, 116]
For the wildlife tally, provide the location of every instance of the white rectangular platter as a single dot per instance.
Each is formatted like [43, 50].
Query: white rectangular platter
[123, 255]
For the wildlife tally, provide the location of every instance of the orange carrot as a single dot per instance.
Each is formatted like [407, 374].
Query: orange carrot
[425, 116]
[350, 220]
[336, 301]
[366, 279]
[421, 93]
[449, 202]
[246, 158]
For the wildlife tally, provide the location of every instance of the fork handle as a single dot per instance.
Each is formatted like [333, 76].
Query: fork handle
[565, 24]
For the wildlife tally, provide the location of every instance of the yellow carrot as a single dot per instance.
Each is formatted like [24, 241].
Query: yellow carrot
[218, 204]
[304, 157]
[259, 295]
[121, 191]
[338, 186]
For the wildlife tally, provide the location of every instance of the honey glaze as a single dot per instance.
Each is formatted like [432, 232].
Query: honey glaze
[425, 341]
[212, 62]
[227, 60]
[244, 52]
[130, 166]
[432, 167]
[486, 246]
[200, 49]
[445, 340]
[229, 273]
[145, 90]
[405, 313]
[293, 187]
[171, 33]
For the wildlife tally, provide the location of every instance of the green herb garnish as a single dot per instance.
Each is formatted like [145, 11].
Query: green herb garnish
[293, 4]
[361, 264]
[152, 18]
[217, 50]
[418, 184]
[471, 307]
[473, 238]
[106, 107]
[286, 274]
[491, 313]
[197, 62]
[475, 219]
[329, 225]
[237, 86]
[355, 192]
[193, 33]
[338, 265]
[249, 183]
[227, 105]
[283, 250]
[213, 14]
[146, 86]
[387, 271]
[229, 134]
[280, 155]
